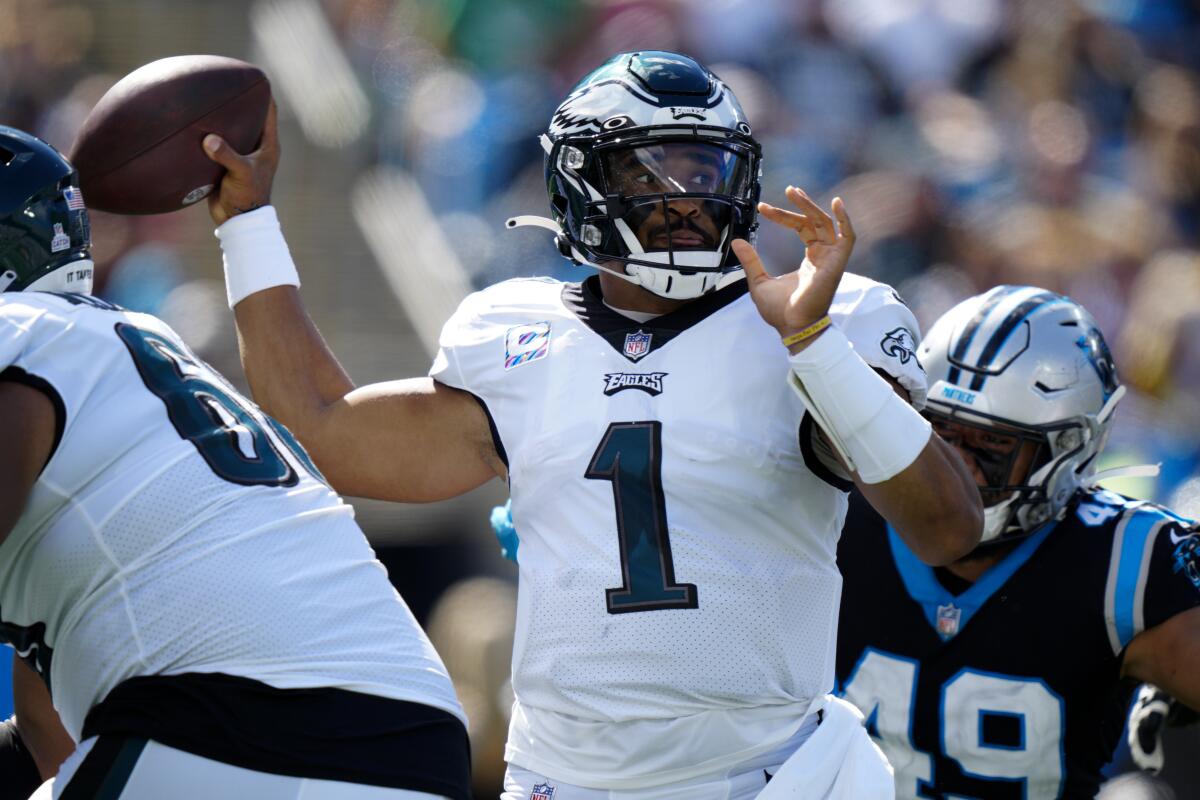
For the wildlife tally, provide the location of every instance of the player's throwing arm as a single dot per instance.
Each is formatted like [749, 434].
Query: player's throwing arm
[904, 470]
[362, 439]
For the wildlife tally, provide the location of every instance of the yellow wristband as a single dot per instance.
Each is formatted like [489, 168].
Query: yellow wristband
[809, 332]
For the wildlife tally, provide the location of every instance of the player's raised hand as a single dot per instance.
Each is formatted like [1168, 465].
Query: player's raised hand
[799, 298]
[246, 184]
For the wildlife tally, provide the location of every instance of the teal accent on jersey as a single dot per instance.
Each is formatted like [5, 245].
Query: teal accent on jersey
[506, 532]
[1131, 568]
[227, 435]
[630, 457]
[295, 447]
[925, 589]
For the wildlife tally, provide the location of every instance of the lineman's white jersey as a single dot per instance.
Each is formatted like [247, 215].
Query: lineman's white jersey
[678, 594]
[177, 529]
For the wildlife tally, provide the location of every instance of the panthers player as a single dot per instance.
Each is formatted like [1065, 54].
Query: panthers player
[1007, 674]
[187, 598]
[678, 591]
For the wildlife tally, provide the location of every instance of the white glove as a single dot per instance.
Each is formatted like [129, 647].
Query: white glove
[1147, 719]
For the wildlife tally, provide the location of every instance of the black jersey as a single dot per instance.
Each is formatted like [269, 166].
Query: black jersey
[1009, 687]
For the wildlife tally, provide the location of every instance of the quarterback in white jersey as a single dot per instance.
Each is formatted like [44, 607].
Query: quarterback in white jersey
[177, 572]
[638, 487]
[657, 425]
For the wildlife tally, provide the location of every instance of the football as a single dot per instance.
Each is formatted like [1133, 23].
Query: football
[139, 151]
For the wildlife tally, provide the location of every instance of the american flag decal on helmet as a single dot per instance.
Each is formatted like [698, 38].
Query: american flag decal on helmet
[74, 198]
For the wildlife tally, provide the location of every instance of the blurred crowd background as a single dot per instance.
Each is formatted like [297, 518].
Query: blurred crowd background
[976, 142]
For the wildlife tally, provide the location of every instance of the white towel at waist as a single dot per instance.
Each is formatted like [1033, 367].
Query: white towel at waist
[838, 762]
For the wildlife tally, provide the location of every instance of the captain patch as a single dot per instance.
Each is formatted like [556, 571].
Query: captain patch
[526, 343]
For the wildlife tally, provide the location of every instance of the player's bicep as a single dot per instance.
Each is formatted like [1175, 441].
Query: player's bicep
[412, 440]
[38, 722]
[27, 440]
[1168, 655]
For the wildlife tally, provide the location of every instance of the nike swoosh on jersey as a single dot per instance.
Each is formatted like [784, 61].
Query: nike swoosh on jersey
[1177, 539]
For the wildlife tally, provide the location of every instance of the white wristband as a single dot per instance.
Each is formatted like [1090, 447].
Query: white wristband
[256, 254]
[871, 427]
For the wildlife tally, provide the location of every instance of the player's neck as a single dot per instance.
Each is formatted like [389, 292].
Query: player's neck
[626, 296]
[973, 567]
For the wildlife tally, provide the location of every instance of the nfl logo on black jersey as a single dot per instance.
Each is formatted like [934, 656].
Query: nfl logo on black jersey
[947, 620]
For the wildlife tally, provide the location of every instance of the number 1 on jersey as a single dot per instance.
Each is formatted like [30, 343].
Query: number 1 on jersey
[630, 458]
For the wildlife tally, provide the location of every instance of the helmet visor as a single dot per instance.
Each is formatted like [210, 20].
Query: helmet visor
[676, 196]
[1001, 460]
[681, 167]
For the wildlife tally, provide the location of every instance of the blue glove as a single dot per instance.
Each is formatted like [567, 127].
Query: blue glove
[506, 534]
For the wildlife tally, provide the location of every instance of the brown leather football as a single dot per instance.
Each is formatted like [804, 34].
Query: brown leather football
[139, 151]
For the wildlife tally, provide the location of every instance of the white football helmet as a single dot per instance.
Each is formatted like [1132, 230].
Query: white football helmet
[652, 172]
[1023, 380]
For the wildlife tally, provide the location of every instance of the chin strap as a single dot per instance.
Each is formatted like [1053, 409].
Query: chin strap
[1110, 405]
[532, 221]
[1131, 471]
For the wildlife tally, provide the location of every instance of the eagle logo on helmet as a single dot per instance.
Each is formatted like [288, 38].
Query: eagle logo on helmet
[566, 121]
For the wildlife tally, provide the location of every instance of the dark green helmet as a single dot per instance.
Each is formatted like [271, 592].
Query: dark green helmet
[45, 237]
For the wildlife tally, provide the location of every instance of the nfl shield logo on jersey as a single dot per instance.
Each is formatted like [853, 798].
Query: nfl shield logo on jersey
[948, 618]
[637, 345]
[542, 791]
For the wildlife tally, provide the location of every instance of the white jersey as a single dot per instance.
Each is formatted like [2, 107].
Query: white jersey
[679, 593]
[176, 529]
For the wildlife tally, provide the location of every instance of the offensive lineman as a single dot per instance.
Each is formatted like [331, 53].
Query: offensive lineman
[174, 573]
[1007, 674]
[678, 592]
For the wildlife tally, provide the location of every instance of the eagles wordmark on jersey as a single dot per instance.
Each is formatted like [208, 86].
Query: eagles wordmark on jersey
[1010, 688]
[641, 481]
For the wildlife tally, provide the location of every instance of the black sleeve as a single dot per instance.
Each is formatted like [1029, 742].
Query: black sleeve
[20, 773]
[1173, 585]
